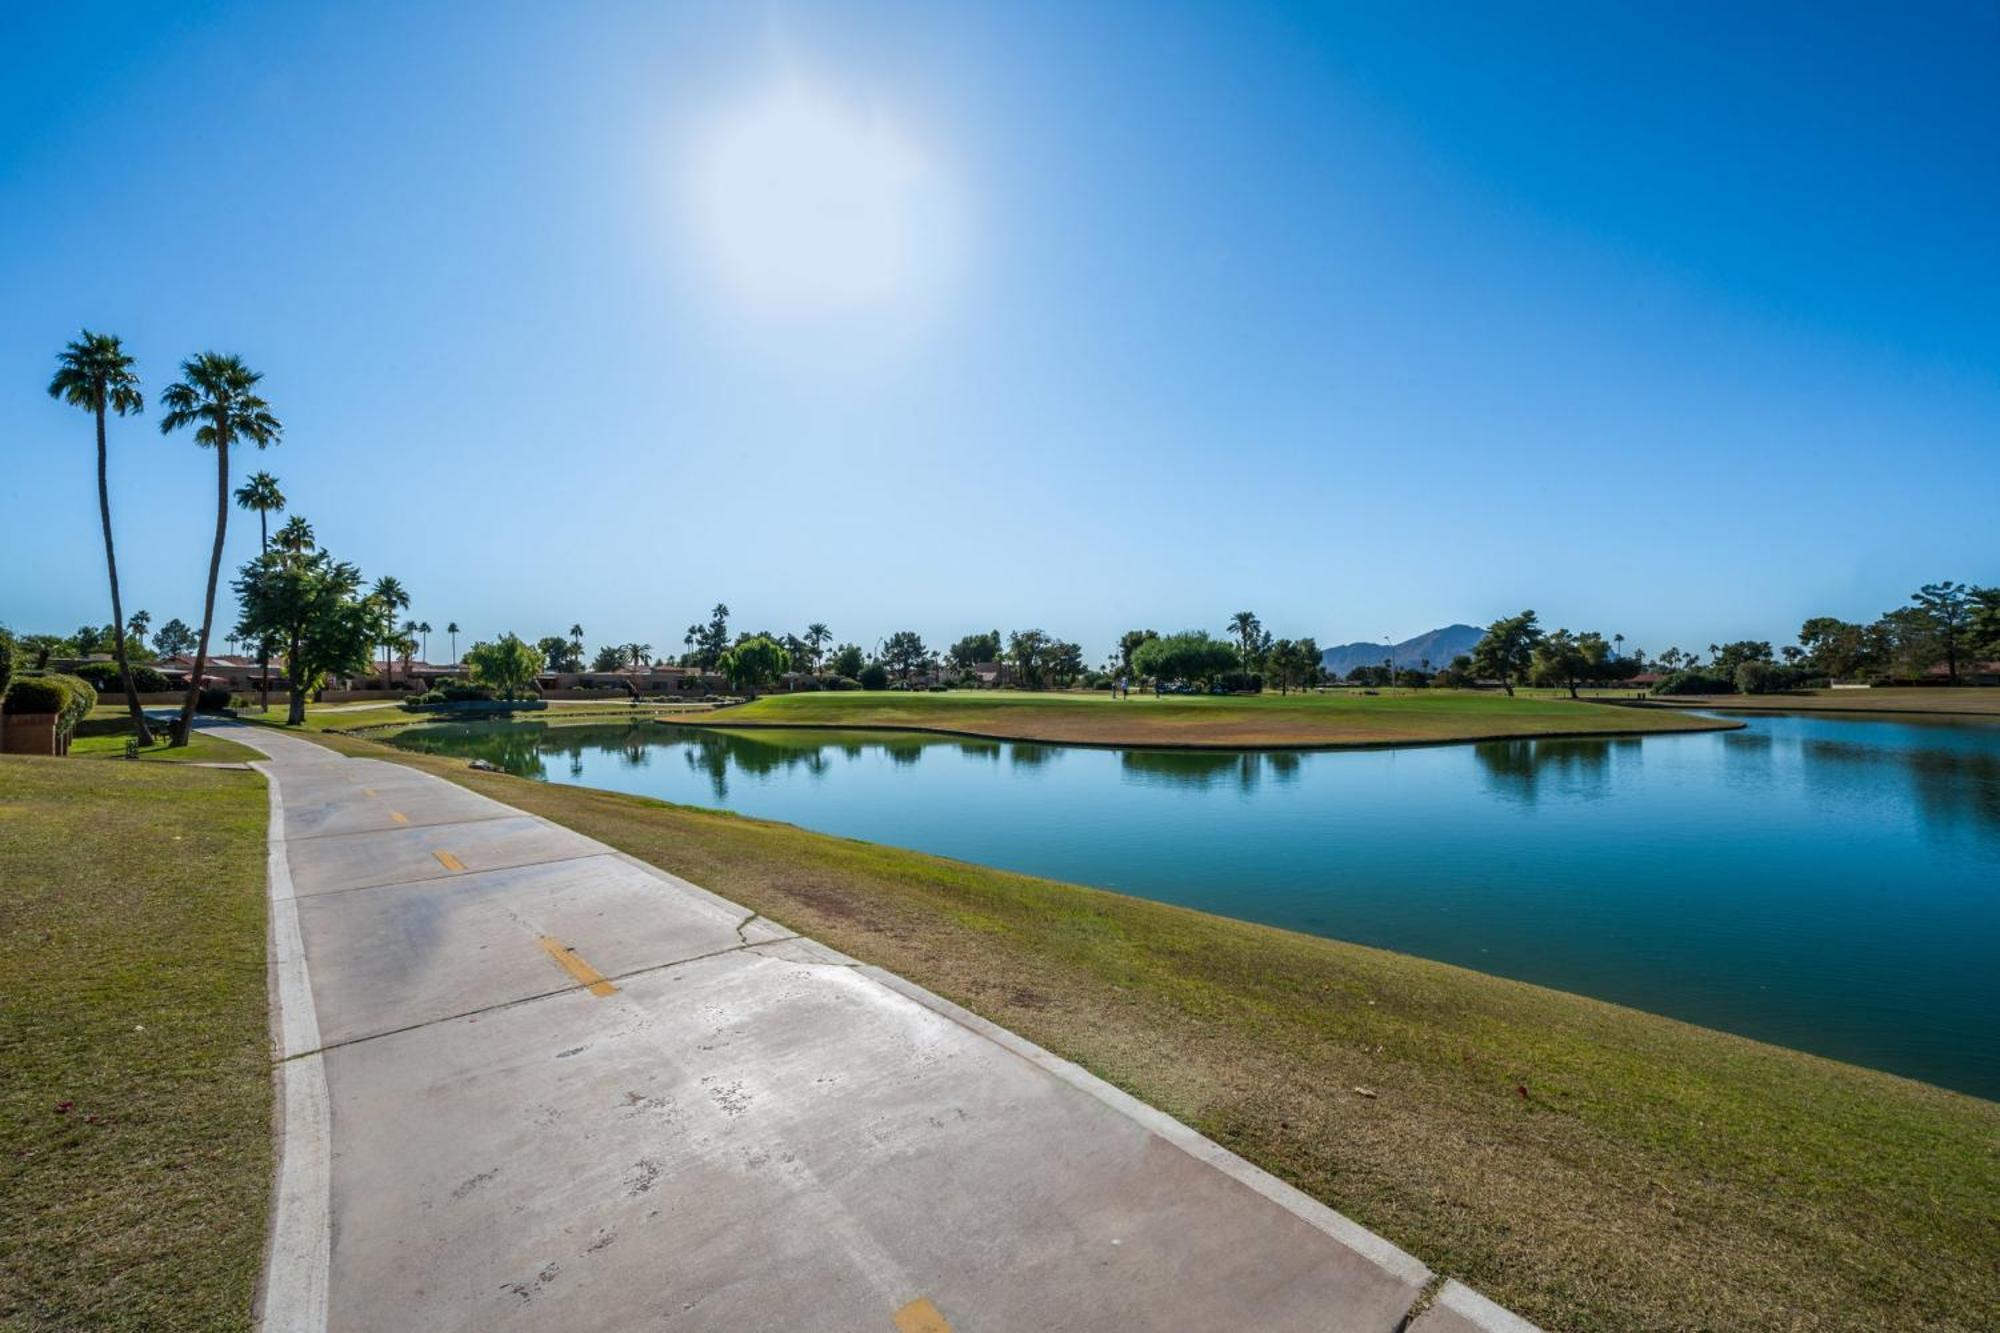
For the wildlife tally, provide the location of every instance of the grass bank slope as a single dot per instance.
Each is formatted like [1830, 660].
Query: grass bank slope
[135, 1074]
[1223, 722]
[1965, 701]
[1587, 1165]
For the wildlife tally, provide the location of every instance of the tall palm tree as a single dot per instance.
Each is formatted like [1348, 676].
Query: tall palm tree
[408, 645]
[137, 624]
[638, 653]
[424, 628]
[817, 635]
[296, 537]
[261, 494]
[576, 636]
[390, 595]
[452, 629]
[217, 395]
[95, 374]
[1244, 625]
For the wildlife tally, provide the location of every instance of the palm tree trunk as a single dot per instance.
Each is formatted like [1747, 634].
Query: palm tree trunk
[182, 732]
[264, 645]
[139, 727]
[296, 714]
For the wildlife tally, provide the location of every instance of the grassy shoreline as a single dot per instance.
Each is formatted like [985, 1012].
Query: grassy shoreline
[1963, 701]
[1588, 1165]
[136, 1101]
[1262, 722]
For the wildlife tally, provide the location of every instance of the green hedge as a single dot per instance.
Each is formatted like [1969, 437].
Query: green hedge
[37, 694]
[104, 675]
[68, 697]
[1695, 682]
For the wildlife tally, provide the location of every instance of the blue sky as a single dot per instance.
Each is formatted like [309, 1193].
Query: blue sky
[1677, 321]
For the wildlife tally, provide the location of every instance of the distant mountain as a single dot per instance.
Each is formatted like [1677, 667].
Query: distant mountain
[1437, 647]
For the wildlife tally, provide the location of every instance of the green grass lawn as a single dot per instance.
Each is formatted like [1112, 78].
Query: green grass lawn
[343, 718]
[1590, 1166]
[202, 748]
[135, 1074]
[1331, 720]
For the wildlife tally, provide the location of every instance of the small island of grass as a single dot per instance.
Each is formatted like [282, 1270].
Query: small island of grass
[1264, 721]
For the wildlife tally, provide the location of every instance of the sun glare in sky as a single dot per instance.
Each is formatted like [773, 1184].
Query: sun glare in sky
[806, 204]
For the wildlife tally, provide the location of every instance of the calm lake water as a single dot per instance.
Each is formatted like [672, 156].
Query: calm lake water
[1826, 884]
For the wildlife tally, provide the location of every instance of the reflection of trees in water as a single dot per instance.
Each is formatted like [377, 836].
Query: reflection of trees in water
[1199, 769]
[903, 753]
[1951, 786]
[1026, 754]
[514, 747]
[1515, 770]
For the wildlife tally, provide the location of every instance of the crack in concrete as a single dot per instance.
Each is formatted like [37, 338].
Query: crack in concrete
[1425, 1299]
[529, 999]
[432, 879]
[400, 828]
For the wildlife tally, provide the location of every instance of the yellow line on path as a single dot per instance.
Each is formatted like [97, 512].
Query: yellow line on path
[920, 1316]
[567, 959]
[449, 862]
[399, 816]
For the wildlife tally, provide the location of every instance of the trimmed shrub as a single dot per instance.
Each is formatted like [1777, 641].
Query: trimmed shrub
[1240, 682]
[874, 676]
[1695, 682]
[104, 676]
[212, 699]
[37, 694]
[842, 683]
[69, 698]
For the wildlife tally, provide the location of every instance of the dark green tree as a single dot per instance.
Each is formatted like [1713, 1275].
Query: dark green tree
[755, 662]
[1983, 632]
[560, 653]
[311, 605]
[1028, 650]
[1567, 660]
[174, 638]
[1128, 643]
[1065, 663]
[508, 664]
[847, 660]
[975, 648]
[707, 643]
[1949, 606]
[904, 653]
[1507, 651]
[1190, 656]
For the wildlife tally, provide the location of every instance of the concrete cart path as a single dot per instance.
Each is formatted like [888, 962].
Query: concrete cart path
[529, 1082]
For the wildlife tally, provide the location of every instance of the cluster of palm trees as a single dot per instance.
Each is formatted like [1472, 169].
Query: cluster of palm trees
[216, 397]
